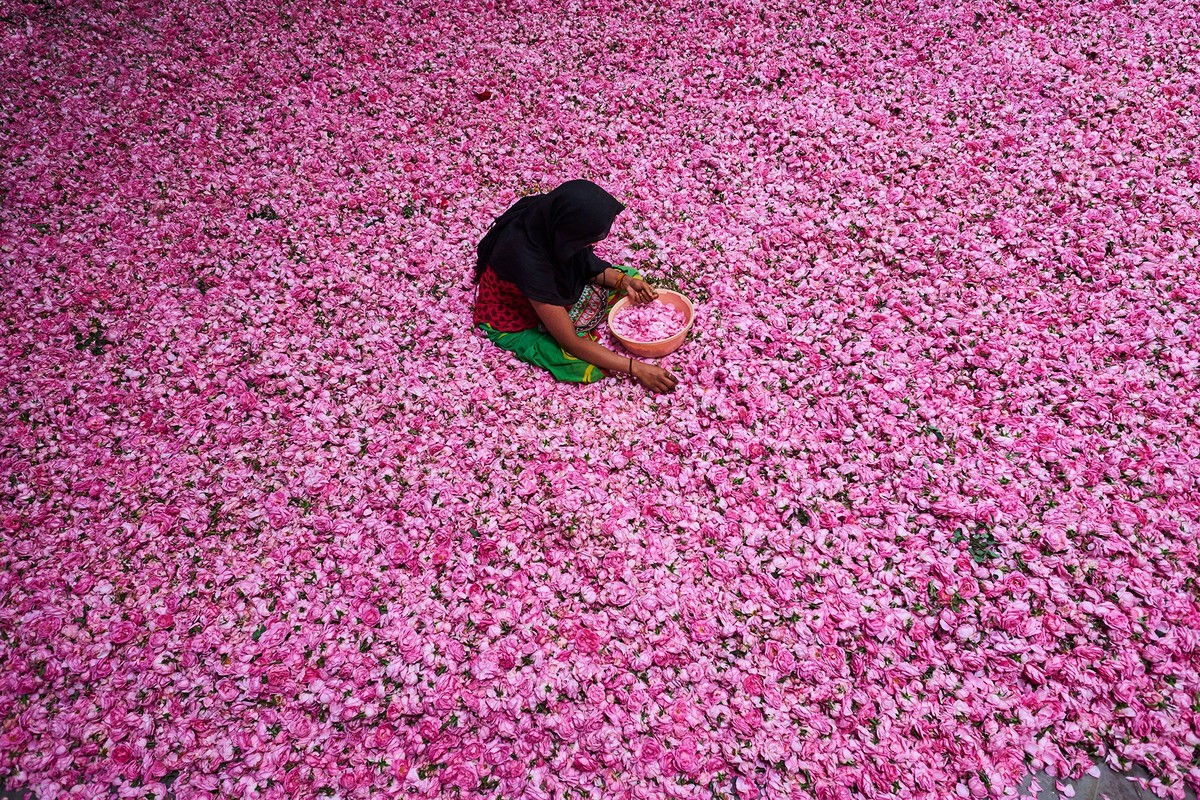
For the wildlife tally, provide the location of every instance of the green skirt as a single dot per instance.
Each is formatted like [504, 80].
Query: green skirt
[536, 346]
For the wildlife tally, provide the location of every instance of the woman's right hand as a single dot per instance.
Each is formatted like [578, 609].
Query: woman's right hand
[654, 378]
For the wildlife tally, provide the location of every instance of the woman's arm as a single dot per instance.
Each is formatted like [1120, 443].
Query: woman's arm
[639, 291]
[559, 324]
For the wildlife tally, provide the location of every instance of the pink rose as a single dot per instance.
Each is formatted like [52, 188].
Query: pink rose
[587, 640]
[400, 553]
[15, 738]
[784, 661]
[460, 775]
[1055, 539]
[486, 551]
[746, 790]
[300, 727]
[651, 751]
[278, 516]
[722, 570]
[383, 735]
[122, 632]
[1116, 620]
[585, 763]
[122, 754]
[620, 594]
[596, 694]
[292, 782]
[687, 760]
[873, 624]
[445, 700]
[703, 631]
[746, 724]
[832, 657]
[278, 675]
[1016, 583]
[753, 684]
[410, 645]
[48, 626]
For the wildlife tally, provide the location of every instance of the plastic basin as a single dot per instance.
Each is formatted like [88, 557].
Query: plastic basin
[663, 346]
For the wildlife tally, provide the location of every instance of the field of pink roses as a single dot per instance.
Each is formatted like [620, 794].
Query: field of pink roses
[920, 518]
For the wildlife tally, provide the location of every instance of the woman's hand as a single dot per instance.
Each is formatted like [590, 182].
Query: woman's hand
[654, 378]
[639, 291]
[559, 325]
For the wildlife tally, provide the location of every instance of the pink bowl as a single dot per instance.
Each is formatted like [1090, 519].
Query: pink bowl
[663, 346]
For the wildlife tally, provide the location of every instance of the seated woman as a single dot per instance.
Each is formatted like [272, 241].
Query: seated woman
[543, 291]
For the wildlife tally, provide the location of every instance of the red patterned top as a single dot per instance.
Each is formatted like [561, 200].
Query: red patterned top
[501, 305]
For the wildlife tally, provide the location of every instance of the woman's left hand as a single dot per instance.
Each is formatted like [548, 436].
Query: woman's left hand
[639, 291]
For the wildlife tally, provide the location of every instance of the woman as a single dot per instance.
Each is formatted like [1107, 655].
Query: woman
[543, 291]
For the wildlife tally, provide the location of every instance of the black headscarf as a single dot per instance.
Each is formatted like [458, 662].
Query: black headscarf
[542, 242]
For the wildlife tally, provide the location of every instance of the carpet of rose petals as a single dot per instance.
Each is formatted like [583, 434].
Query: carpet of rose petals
[648, 322]
[921, 516]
